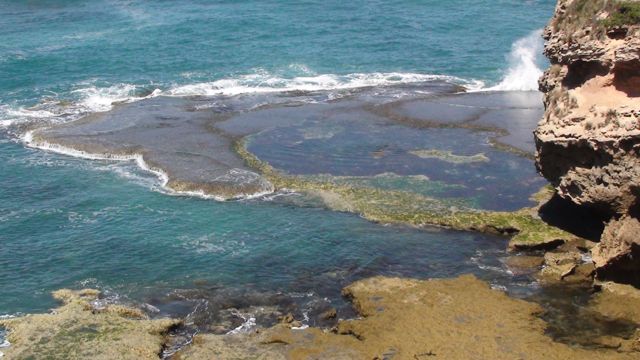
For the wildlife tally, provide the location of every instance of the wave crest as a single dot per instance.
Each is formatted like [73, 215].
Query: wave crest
[265, 82]
[524, 70]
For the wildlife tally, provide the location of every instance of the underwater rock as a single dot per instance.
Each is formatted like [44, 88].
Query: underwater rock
[589, 139]
[168, 135]
[449, 156]
[523, 264]
[511, 115]
[82, 328]
[527, 230]
[617, 301]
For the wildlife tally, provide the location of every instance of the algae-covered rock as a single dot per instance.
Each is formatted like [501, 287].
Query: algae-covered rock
[448, 156]
[617, 301]
[559, 265]
[230, 347]
[525, 227]
[461, 318]
[79, 329]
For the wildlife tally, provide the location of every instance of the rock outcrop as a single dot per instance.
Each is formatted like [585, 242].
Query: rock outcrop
[588, 143]
[85, 328]
[460, 318]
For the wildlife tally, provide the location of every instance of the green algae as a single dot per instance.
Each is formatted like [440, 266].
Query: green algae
[526, 229]
[449, 156]
[626, 13]
[418, 184]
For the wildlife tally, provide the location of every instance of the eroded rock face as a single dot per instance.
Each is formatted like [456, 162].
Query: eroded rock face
[588, 143]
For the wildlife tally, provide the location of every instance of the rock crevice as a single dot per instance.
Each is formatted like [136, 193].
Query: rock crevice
[588, 142]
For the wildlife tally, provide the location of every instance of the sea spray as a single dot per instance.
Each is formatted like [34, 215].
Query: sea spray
[265, 82]
[524, 60]
[90, 97]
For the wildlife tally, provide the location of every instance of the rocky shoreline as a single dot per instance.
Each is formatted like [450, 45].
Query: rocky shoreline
[588, 141]
[456, 318]
[587, 147]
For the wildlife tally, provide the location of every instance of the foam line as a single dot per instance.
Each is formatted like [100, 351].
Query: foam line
[162, 176]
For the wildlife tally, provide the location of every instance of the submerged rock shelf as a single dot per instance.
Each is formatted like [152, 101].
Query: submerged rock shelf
[190, 142]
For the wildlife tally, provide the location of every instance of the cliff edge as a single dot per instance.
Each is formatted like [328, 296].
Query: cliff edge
[588, 143]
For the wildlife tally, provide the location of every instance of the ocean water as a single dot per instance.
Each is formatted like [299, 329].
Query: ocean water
[68, 222]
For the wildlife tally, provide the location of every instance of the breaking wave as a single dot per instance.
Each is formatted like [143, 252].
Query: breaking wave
[88, 97]
[265, 82]
[524, 65]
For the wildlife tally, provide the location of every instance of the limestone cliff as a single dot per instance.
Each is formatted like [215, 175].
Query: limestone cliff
[588, 143]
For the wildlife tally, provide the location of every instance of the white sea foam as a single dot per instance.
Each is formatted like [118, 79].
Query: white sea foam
[524, 60]
[88, 99]
[248, 324]
[163, 178]
[265, 82]
[91, 98]
[98, 99]
[4, 342]
[10, 116]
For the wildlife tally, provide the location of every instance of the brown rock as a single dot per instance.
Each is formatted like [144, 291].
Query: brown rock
[289, 321]
[614, 255]
[589, 139]
[329, 314]
[461, 318]
[611, 342]
[617, 301]
[523, 264]
[558, 265]
[286, 319]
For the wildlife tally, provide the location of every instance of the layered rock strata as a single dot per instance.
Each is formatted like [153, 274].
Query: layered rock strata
[588, 143]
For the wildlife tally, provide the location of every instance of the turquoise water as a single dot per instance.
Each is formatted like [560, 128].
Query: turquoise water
[51, 48]
[67, 222]
[72, 222]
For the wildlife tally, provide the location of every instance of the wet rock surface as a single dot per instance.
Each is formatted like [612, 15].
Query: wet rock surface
[168, 134]
[617, 301]
[315, 145]
[362, 133]
[399, 318]
[458, 318]
[85, 328]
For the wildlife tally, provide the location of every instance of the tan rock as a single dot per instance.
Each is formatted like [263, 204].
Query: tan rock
[523, 264]
[461, 318]
[558, 265]
[230, 347]
[79, 330]
[617, 301]
[617, 241]
[582, 273]
[589, 139]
